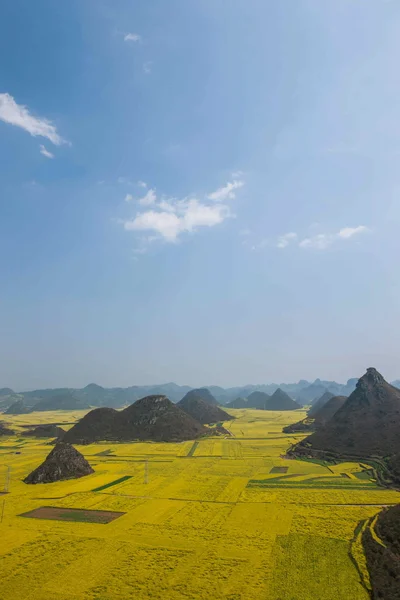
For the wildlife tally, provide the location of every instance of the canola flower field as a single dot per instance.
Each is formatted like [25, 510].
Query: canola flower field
[220, 518]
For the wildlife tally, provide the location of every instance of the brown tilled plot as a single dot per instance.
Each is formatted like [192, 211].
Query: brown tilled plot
[80, 515]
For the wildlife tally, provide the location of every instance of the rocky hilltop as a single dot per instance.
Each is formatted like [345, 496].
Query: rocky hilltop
[367, 424]
[63, 462]
[151, 418]
[202, 411]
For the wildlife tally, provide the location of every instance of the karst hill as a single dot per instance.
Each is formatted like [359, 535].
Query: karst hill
[367, 424]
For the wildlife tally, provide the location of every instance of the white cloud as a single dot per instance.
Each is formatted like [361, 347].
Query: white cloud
[168, 218]
[45, 152]
[165, 223]
[19, 115]
[147, 67]
[196, 214]
[128, 198]
[148, 199]
[324, 240]
[142, 184]
[320, 241]
[132, 37]
[188, 216]
[227, 191]
[284, 240]
[348, 232]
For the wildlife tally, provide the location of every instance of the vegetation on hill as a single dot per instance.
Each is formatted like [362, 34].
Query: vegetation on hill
[202, 393]
[151, 418]
[367, 424]
[17, 408]
[381, 542]
[280, 400]
[319, 403]
[45, 431]
[257, 400]
[63, 462]
[328, 410]
[6, 391]
[238, 403]
[60, 402]
[4, 430]
[320, 418]
[202, 411]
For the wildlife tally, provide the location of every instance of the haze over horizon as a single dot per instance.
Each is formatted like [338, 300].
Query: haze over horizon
[205, 193]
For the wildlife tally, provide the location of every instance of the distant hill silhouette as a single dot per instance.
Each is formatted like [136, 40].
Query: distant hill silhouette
[280, 400]
[238, 403]
[320, 417]
[45, 431]
[202, 393]
[367, 424]
[201, 410]
[151, 418]
[63, 462]
[64, 401]
[304, 392]
[257, 400]
[319, 403]
[327, 410]
[6, 391]
[17, 408]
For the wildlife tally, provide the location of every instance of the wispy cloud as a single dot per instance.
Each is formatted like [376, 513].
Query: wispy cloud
[128, 198]
[148, 199]
[132, 37]
[147, 67]
[324, 240]
[142, 184]
[226, 192]
[168, 218]
[45, 152]
[348, 232]
[286, 239]
[19, 115]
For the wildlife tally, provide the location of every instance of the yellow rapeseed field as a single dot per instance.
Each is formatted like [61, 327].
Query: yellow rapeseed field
[225, 518]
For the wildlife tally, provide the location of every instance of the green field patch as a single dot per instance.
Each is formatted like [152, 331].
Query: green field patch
[193, 449]
[116, 482]
[365, 475]
[104, 452]
[279, 470]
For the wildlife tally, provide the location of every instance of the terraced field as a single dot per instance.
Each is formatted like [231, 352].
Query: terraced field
[219, 519]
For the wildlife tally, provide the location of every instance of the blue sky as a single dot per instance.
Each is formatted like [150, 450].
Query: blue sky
[204, 192]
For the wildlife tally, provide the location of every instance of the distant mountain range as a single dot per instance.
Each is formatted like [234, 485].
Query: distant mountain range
[93, 395]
